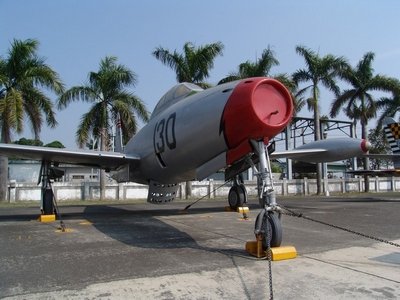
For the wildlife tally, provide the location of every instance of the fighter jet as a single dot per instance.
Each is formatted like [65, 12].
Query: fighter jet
[392, 133]
[193, 133]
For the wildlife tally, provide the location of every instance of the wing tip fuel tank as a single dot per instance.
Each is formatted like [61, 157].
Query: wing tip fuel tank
[258, 108]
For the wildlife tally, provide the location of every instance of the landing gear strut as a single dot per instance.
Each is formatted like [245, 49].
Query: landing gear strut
[47, 173]
[268, 225]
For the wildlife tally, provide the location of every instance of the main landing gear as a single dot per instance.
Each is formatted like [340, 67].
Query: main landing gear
[237, 194]
[48, 208]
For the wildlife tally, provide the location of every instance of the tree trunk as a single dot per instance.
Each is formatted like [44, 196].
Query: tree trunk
[3, 178]
[317, 137]
[188, 189]
[366, 159]
[102, 172]
[5, 138]
[102, 184]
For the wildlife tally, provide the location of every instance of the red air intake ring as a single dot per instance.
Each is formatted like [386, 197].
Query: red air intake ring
[258, 108]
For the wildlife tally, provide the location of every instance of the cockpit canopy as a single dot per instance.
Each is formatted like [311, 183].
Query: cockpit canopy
[174, 95]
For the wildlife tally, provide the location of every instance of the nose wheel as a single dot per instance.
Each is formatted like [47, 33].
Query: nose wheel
[269, 228]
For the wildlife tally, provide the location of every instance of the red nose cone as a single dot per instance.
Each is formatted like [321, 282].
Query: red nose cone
[258, 108]
[365, 146]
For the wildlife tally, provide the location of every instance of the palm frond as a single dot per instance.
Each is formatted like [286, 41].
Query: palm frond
[22, 76]
[193, 64]
[77, 93]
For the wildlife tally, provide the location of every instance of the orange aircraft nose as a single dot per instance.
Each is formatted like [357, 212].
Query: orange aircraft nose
[258, 108]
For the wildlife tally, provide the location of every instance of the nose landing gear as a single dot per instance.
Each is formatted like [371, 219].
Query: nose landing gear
[268, 225]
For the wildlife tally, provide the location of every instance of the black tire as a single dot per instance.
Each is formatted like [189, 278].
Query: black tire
[243, 190]
[236, 197]
[275, 230]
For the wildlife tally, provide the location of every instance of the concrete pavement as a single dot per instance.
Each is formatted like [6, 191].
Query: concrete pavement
[142, 251]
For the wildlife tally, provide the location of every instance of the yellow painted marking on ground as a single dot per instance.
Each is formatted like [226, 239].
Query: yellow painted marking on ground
[85, 223]
[207, 216]
[67, 230]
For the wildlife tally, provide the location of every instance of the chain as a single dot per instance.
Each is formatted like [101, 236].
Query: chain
[58, 213]
[300, 215]
[269, 257]
[208, 194]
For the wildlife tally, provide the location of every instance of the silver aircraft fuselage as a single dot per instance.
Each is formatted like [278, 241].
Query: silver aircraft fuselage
[197, 135]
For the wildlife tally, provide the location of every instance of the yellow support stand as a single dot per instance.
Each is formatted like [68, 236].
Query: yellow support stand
[47, 218]
[255, 248]
[243, 210]
[283, 253]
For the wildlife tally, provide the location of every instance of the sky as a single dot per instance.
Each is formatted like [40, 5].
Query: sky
[75, 35]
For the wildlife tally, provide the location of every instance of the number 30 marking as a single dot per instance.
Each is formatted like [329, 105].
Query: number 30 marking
[164, 134]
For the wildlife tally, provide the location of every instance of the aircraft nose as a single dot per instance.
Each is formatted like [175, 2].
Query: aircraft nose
[258, 108]
[365, 146]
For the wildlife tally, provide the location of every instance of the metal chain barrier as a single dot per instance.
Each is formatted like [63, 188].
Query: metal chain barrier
[208, 194]
[58, 213]
[300, 215]
[269, 257]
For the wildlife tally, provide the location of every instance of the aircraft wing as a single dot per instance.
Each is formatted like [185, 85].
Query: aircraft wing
[297, 154]
[101, 159]
[326, 150]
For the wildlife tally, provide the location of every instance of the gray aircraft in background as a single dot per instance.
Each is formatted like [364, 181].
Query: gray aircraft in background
[193, 133]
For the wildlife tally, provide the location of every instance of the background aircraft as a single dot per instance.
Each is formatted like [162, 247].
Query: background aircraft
[392, 133]
[193, 133]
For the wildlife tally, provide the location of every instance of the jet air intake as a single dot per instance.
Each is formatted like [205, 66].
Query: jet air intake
[257, 109]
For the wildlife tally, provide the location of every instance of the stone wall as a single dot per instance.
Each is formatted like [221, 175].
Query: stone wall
[87, 191]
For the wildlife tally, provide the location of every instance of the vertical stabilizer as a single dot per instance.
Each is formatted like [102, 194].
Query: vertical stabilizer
[392, 132]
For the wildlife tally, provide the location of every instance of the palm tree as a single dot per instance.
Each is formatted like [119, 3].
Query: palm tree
[390, 107]
[248, 69]
[358, 97]
[22, 75]
[262, 68]
[193, 65]
[358, 101]
[318, 71]
[106, 90]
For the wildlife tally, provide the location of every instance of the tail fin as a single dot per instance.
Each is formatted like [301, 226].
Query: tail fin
[392, 132]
